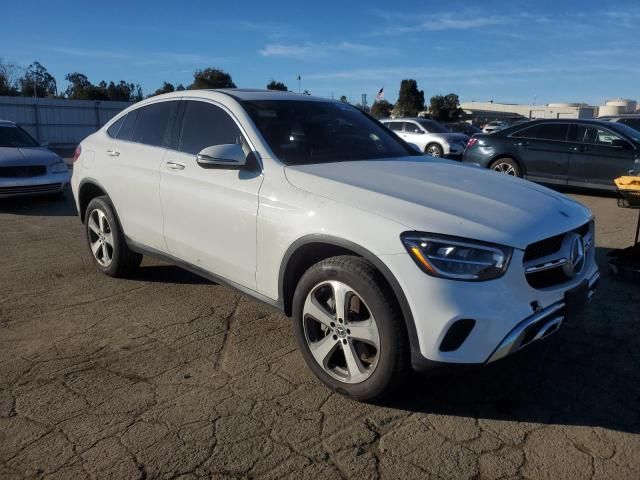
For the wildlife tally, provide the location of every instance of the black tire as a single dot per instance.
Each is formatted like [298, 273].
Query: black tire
[507, 166]
[123, 260]
[434, 149]
[393, 353]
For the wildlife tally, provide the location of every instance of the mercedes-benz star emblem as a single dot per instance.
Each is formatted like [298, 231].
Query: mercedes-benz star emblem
[574, 246]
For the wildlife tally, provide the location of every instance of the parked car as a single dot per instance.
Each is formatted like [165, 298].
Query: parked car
[26, 167]
[384, 258]
[495, 126]
[429, 136]
[630, 120]
[463, 127]
[584, 153]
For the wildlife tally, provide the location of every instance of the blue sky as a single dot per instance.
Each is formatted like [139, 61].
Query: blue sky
[508, 51]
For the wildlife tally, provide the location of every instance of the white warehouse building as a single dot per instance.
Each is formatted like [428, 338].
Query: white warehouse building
[508, 111]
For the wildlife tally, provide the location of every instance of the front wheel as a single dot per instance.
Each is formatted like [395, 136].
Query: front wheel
[349, 328]
[434, 150]
[105, 237]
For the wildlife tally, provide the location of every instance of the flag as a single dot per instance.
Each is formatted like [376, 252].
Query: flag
[380, 95]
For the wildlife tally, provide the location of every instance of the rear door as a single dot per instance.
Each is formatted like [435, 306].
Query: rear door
[413, 133]
[598, 156]
[132, 170]
[210, 214]
[544, 150]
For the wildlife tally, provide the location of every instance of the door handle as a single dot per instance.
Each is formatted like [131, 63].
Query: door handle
[579, 149]
[523, 144]
[113, 153]
[175, 166]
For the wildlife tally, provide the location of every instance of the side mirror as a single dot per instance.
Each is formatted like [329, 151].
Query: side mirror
[225, 156]
[418, 131]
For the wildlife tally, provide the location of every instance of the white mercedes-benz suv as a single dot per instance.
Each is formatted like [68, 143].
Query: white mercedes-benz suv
[384, 258]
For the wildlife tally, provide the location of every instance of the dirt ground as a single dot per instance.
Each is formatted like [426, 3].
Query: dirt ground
[166, 375]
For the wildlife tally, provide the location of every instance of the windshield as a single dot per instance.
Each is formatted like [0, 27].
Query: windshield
[302, 132]
[14, 136]
[626, 131]
[433, 127]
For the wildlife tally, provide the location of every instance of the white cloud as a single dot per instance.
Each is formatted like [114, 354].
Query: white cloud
[314, 50]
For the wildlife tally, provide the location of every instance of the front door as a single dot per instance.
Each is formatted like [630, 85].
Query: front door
[544, 152]
[598, 156]
[210, 214]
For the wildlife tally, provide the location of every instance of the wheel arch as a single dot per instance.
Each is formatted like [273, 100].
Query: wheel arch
[310, 249]
[88, 190]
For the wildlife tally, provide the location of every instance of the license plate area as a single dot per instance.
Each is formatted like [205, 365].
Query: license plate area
[576, 301]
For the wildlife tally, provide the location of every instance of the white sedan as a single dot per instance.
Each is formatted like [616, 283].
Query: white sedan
[429, 136]
[26, 167]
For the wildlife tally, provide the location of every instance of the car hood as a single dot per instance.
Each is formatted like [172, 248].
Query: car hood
[17, 157]
[440, 196]
[452, 137]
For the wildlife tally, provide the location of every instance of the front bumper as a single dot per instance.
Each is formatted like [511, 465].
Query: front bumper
[502, 310]
[49, 183]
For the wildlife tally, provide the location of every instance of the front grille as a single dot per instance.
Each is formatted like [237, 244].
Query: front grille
[23, 171]
[548, 273]
[28, 189]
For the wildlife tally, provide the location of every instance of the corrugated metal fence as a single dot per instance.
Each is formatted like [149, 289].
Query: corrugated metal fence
[58, 121]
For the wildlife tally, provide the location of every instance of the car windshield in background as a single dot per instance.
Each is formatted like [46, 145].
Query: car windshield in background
[303, 132]
[625, 130]
[433, 127]
[13, 136]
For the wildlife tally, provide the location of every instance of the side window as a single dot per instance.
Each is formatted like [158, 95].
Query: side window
[205, 125]
[545, 131]
[596, 136]
[127, 126]
[154, 123]
[410, 127]
[112, 131]
[395, 126]
[631, 122]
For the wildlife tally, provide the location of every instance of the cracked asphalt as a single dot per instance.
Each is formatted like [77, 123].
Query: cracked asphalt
[166, 375]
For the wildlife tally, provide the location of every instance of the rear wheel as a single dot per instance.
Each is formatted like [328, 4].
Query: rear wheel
[349, 328]
[508, 166]
[106, 240]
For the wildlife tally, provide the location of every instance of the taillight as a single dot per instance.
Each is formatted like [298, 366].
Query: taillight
[472, 141]
[77, 153]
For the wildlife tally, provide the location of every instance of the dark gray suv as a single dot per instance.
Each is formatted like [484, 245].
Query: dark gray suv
[583, 153]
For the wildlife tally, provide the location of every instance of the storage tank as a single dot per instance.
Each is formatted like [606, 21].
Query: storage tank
[627, 106]
[611, 110]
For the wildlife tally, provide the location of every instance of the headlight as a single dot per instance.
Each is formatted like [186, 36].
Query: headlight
[457, 258]
[59, 167]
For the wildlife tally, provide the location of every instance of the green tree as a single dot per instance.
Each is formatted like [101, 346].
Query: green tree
[381, 109]
[410, 99]
[180, 88]
[273, 85]
[343, 99]
[211, 78]
[445, 108]
[79, 88]
[39, 81]
[166, 88]
[9, 73]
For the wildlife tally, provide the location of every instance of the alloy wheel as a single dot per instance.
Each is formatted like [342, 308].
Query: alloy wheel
[341, 332]
[100, 237]
[434, 151]
[505, 168]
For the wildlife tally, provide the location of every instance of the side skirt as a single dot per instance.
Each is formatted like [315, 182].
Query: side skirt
[144, 250]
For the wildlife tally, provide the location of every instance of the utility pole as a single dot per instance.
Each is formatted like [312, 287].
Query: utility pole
[299, 78]
[364, 101]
